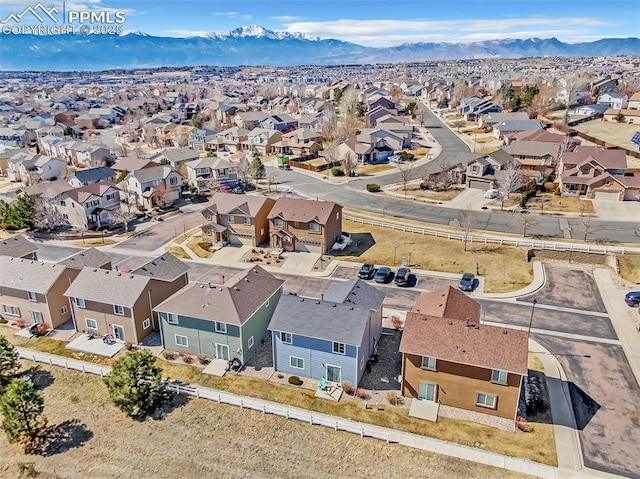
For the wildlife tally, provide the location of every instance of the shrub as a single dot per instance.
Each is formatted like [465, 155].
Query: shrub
[361, 393]
[373, 188]
[128, 345]
[337, 171]
[557, 192]
[280, 375]
[168, 354]
[295, 380]
[396, 322]
[347, 387]
[186, 358]
[392, 397]
[205, 246]
[202, 359]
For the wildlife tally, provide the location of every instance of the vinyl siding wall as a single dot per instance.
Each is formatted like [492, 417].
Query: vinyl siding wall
[317, 354]
[256, 326]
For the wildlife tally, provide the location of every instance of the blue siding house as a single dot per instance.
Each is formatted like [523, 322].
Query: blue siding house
[332, 337]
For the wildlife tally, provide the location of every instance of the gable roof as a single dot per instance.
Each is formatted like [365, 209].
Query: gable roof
[234, 302]
[92, 257]
[93, 174]
[607, 158]
[131, 163]
[490, 347]
[224, 203]
[17, 246]
[153, 173]
[28, 275]
[179, 155]
[294, 209]
[94, 189]
[356, 293]
[163, 268]
[108, 287]
[448, 302]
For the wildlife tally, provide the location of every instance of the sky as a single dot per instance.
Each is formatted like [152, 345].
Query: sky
[375, 23]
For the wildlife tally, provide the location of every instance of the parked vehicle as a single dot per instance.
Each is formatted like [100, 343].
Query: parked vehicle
[383, 275]
[467, 282]
[285, 166]
[402, 277]
[367, 271]
[491, 194]
[632, 298]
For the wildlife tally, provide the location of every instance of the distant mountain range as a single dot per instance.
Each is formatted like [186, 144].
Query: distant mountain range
[254, 45]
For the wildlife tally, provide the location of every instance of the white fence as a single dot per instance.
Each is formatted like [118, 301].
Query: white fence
[501, 240]
[265, 407]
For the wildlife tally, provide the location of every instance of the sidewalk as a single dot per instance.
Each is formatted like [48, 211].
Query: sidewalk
[480, 456]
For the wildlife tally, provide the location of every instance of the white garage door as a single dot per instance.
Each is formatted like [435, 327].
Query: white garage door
[632, 195]
[480, 185]
[606, 195]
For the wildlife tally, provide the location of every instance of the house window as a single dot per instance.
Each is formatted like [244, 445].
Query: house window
[119, 310]
[428, 363]
[474, 169]
[221, 328]
[314, 226]
[486, 400]
[266, 304]
[80, 303]
[91, 323]
[607, 183]
[32, 296]
[337, 215]
[297, 363]
[64, 310]
[338, 348]
[146, 323]
[65, 216]
[250, 342]
[11, 310]
[172, 318]
[296, 224]
[173, 180]
[498, 376]
[278, 223]
[247, 220]
[286, 338]
[182, 341]
[110, 196]
[231, 219]
[63, 203]
[209, 217]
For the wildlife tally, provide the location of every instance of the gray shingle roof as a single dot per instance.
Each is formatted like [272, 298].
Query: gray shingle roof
[17, 246]
[164, 268]
[28, 275]
[355, 292]
[107, 287]
[320, 319]
[153, 173]
[92, 257]
[92, 175]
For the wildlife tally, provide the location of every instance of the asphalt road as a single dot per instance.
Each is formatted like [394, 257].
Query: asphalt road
[354, 195]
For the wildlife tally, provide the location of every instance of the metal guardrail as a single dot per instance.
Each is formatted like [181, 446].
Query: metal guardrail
[501, 240]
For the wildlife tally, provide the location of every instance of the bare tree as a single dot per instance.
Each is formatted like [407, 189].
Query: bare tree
[349, 162]
[161, 194]
[46, 216]
[526, 220]
[124, 216]
[589, 225]
[509, 181]
[273, 176]
[406, 174]
[466, 218]
[243, 168]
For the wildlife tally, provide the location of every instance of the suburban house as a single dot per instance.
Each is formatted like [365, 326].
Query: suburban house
[33, 292]
[229, 140]
[205, 174]
[299, 143]
[260, 141]
[471, 108]
[603, 85]
[237, 219]
[365, 148]
[491, 119]
[304, 225]
[281, 122]
[88, 176]
[19, 247]
[227, 321]
[624, 116]
[597, 173]
[634, 102]
[482, 172]
[198, 139]
[90, 206]
[121, 303]
[333, 337]
[539, 156]
[614, 100]
[131, 163]
[177, 158]
[92, 257]
[308, 121]
[30, 168]
[500, 130]
[156, 186]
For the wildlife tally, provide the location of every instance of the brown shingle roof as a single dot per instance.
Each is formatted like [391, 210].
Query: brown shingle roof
[481, 345]
[17, 246]
[293, 209]
[226, 203]
[448, 302]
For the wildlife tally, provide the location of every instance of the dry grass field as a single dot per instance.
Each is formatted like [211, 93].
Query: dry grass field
[177, 251]
[618, 134]
[197, 438]
[630, 267]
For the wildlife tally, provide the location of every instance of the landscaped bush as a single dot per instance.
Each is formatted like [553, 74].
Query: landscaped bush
[337, 171]
[186, 358]
[361, 393]
[347, 387]
[373, 188]
[392, 397]
[557, 192]
[202, 359]
[396, 322]
[168, 354]
[205, 246]
[128, 345]
[295, 380]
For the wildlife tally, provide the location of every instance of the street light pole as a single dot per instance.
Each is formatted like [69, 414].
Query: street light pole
[394, 254]
[533, 307]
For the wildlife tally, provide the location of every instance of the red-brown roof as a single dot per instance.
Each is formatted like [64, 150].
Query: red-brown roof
[490, 347]
[448, 302]
[294, 209]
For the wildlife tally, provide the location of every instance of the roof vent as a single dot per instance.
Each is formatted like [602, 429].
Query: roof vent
[351, 308]
[318, 302]
[504, 332]
[119, 274]
[236, 288]
[106, 272]
[450, 323]
[219, 289]
[131, 277]
[246, 280]
[202, 286]
[302, 300]
[335, 305]
[95, 270]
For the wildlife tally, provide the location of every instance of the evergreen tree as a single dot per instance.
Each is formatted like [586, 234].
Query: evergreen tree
[8, 359]
[22, 419]
[257, 169]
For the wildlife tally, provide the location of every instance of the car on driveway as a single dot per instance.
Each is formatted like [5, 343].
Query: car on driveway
[492, 194]
[367, 271]
[402, 277]
[632, 298]
[383, 274]
[467, 282]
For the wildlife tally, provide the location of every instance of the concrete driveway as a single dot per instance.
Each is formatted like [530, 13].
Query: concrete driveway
[470, 197]
[617, 210]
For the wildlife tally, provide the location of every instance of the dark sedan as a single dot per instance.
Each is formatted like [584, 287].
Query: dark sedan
[632, 298]
[467, 282]
[367, 271]
[383, 275]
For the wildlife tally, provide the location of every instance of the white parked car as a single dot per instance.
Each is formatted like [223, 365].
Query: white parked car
[395, 159]
[492, 194]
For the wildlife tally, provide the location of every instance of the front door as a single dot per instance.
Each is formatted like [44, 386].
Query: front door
[118, 332]
[334, 374]
[222, 351]
[427, 391]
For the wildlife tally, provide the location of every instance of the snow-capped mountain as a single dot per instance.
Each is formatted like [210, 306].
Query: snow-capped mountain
[255, 45]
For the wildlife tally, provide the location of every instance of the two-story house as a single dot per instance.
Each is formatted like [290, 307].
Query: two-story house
[237, 219]
[198, 139]
[260, 141]
[19, 247]
[614, 100]
[481, 172]
[365, 148]
[90, 206]
[155, 186]
[304, 225]
[33, 292]
[30, 168]
[225, 321]
[88, 176]
[333, 337]
[229, 140]
[299, 143]
[121, 303]
[205, 174]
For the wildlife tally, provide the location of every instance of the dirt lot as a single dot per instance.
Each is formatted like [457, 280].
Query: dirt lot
[198, 439]
[630, 267]
[618, 134]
